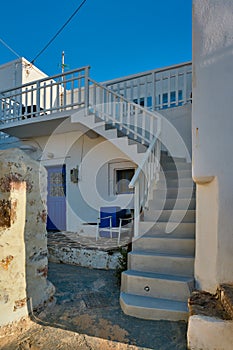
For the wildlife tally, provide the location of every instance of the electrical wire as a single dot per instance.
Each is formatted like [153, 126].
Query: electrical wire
[60, 30]
[9, 48]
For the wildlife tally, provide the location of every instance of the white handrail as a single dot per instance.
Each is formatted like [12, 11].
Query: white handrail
[134, 120]
[144, 178]
[141, 124]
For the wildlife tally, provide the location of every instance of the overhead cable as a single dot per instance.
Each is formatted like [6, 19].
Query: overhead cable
[9, 48]
[59, 31]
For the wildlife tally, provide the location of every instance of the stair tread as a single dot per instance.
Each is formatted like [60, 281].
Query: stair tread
[163, 223]
[160, 254]
[176, 189]
[166, 236]
[173, 199]
[161, 276]
[154, 303]
[172, 210]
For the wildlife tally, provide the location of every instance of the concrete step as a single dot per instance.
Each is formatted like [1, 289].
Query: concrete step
[140, 148]
[110, 133]
[174, 174]
[168, 159]
[179, 229]
[165, 244]
[156, 285]
[181, 182]
[170, 203]
[153, 308]
[163, 263]
[173, 192]
[169, 215]
[176, 166]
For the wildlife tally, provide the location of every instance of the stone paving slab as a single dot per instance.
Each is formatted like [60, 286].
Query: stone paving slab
[78, 321]
[76, 311]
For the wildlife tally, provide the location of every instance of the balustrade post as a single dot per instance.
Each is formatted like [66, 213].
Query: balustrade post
[136, 209]
[86, 98]
[37, 99]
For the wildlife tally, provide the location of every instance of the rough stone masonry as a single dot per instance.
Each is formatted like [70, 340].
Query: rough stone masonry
[23, 237]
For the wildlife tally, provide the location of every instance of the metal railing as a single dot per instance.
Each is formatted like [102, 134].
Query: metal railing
[45, 96]
[157, 89]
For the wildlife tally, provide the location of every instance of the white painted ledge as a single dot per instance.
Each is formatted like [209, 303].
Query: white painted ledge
[209, 333]
[202, 180]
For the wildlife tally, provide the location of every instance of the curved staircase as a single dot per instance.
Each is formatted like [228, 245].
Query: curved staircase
[160, 271]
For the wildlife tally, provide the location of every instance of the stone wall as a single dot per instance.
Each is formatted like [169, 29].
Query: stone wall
[23, 237]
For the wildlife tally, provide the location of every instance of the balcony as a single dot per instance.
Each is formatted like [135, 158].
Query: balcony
[48, 101]
[37, 108]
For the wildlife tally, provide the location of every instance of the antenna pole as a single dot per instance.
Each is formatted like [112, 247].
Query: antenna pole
[63, 62]
[62, 78]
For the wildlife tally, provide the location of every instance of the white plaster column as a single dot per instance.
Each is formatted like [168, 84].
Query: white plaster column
[212, 135]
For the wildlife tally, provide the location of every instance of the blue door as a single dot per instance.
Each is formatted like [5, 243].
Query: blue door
[56, 198]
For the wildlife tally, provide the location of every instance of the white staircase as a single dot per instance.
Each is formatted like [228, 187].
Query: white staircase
[133, 149]
[160, 272]
[160, 278]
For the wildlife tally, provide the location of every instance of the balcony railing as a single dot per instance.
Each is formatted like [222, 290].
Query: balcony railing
[46, 96]
[154, 90]
[157, 89]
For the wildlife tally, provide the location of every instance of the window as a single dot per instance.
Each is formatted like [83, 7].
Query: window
[123, 178]
[142, 100]
[176, 98]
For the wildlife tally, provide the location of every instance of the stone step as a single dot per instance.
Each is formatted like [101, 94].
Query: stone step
[173, 174]
[180, 229]
[153, 308]
[174, 192]
[169, 215]
[181, 182]
[170, 203]
[177, 165]
[156, 285]
[110, 132]
[168, 159]
[140, 148]
[165, 244]
[174, 264]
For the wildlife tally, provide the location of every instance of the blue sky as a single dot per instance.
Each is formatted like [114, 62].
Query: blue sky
[115, 38]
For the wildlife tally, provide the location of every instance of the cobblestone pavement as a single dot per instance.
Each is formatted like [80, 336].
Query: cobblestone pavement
[88, 303]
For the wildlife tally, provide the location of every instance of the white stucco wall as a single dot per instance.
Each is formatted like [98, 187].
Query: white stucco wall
[95, 159]
[176, 133]
[10, 75]
[181, 118]
[212, 140]
[18, 72]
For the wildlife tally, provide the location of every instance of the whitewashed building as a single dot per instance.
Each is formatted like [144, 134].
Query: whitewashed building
[119, 145]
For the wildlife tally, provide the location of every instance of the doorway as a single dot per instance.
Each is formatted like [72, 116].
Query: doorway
[56, 198]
